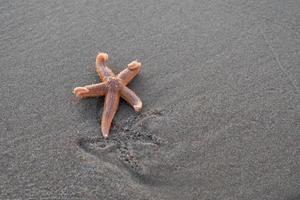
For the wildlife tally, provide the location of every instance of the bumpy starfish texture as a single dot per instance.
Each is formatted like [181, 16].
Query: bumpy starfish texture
[112, 87]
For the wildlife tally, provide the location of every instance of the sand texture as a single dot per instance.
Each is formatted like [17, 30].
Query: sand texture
[220, 86]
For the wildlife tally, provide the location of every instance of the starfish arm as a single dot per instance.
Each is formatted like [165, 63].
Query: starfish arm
[103, 71]
[93, 90]
[111, 103]
[130, 72]
[131, 98]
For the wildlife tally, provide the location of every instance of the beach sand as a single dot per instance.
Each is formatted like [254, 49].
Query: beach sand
[220, 85]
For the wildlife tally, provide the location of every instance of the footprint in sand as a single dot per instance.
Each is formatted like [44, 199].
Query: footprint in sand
[131, 146]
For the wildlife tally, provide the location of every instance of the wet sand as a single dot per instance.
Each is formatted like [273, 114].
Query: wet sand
[220, 86]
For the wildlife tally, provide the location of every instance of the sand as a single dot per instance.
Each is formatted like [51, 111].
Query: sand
[220, 86]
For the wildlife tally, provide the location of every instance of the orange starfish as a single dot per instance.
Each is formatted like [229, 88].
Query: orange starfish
[112, 87]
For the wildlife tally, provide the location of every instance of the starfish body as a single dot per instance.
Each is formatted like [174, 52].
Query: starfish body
[112, 87]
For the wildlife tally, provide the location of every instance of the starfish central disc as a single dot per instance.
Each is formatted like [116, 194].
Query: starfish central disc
[114, 83]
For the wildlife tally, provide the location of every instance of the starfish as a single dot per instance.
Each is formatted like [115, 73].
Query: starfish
[112, 87]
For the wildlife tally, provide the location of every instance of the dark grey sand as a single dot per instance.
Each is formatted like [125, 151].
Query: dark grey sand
[220, 85]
